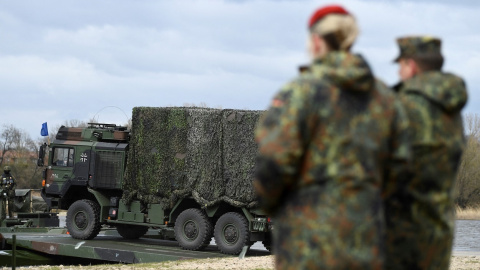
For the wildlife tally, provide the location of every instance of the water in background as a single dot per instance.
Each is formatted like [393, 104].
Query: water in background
[467, 235]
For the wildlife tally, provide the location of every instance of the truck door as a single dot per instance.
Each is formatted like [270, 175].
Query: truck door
[61, 169]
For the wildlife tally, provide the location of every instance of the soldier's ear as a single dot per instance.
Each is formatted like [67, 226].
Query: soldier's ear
[318, 46]
[413, 66]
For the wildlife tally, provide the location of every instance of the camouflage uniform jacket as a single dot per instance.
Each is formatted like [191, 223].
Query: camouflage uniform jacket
[326, 144]
[420, 214]
[8, 184]
[8, 193]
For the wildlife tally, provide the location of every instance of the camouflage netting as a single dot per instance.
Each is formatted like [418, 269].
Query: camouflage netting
[239, 154]
[205, 153]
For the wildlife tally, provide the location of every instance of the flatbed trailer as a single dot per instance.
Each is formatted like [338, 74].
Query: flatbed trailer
[55, 246]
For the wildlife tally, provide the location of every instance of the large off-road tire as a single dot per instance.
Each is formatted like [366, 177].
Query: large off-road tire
[131, 231]
[193, 229]
[231, 233]
[83, 219]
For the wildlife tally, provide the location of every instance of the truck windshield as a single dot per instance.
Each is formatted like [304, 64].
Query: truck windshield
[63, 157]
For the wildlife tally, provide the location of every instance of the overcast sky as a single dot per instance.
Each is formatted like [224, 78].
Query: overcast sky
[62, 60]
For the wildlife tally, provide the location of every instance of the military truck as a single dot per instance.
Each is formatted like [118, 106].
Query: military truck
[186, 172]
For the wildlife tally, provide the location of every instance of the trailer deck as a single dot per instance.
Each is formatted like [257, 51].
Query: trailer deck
[55, 245]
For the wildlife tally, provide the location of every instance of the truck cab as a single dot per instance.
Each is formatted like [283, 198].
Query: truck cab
[83, 158]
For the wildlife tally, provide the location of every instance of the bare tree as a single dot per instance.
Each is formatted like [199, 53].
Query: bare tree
[128, 125]
[467, 185]
[20, 152]
[53, 130]
[193, 105]
[9, 138]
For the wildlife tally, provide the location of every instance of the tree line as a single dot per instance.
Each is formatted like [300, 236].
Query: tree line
[19, 151]
[467, 185]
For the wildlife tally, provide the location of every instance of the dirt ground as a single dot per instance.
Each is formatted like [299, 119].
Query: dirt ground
[258, 263]
[465, 262]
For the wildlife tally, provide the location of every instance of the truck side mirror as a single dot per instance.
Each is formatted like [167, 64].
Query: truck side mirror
[41, 155]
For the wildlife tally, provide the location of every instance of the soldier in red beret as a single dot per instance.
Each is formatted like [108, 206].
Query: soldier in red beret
[420, 212]
[329, 140]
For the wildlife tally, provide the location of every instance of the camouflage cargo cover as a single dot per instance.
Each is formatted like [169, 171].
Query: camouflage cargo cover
[326, 143]
[420, 214]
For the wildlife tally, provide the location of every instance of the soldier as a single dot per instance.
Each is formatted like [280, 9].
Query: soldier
[420, 214]
[303, 69]
[329, 139]
[8, 187]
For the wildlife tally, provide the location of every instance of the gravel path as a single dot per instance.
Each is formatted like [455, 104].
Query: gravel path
[465, 262]
[259, 263]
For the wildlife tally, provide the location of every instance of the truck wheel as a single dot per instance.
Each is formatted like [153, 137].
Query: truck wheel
[193, 229]
[131, 231]
[231, 233]
[83, 219]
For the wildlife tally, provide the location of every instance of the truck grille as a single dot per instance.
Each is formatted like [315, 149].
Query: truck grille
[259, 226]
[108, 169]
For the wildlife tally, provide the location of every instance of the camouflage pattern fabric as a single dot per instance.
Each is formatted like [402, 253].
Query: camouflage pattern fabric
[326, 143]
[3, 206]
[8, 186]
[178, 152]
[420, 214]
[419, 47]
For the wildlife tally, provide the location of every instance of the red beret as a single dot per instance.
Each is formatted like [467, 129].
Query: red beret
[322, 12]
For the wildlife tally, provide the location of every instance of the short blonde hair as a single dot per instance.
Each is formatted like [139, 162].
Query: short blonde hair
[341, 28]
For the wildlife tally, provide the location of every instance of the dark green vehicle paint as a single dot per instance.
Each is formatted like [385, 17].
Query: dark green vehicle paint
[92, 169]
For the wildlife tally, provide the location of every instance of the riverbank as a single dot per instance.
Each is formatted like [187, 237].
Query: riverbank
[467, 213]
[250, 263]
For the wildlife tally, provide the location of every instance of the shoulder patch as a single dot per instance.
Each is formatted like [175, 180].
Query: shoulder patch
[276, 102]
